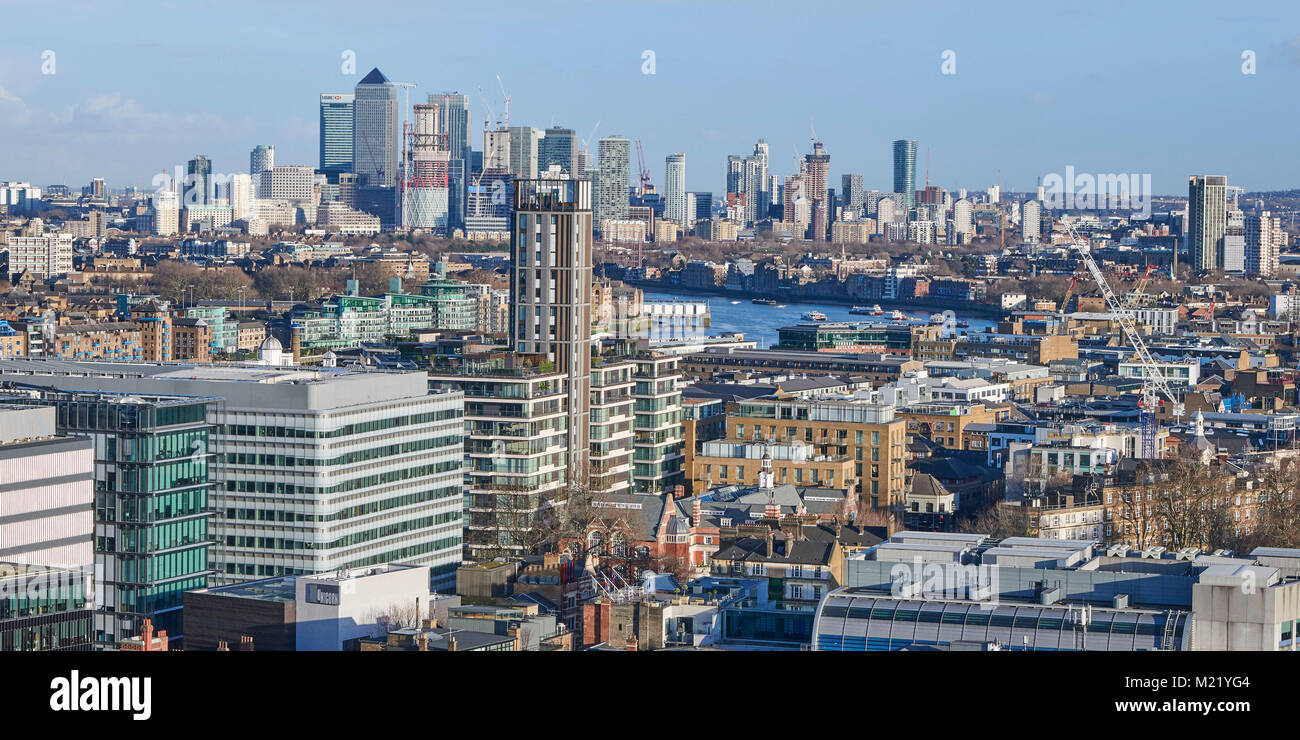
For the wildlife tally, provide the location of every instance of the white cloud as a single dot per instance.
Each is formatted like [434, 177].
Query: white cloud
[8, 97]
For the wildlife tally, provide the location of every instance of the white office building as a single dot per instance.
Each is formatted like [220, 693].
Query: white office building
[320, 469]
[675, 206]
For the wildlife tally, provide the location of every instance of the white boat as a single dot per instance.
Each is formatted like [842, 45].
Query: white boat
[735, 303]
[814, 316]
[897, 315]
[876, 311]
[937, 319]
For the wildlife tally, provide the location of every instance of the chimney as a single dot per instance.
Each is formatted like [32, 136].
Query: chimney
[772, 510]
[246, 644]
[771, 537]
[422, 642]
[223, 646]
[146, 633]
[696, 512]
[451, 643]
[430, 623]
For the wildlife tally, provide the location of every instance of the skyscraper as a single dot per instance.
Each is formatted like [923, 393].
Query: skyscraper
[453, 121]
[261, 158]
[817, 167]
[557, 147]
[1207, 205]
[1264, 236]
[675, 189]
[851, 193]
[198, 182]
[613, 166]
[426, 202]
[524, 142]
[905, 171]
[374, 130]
[336, 118]
[550, 286]
[1031, 216]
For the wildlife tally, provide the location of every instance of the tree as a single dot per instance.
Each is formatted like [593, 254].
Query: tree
[1001, 520]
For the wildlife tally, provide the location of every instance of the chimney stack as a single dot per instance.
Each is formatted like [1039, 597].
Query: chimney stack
[246, 644]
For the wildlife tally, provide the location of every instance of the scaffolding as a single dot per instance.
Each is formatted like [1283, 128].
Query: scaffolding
[424, 188]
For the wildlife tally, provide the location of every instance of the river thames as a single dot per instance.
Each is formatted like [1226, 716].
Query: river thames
[760, 323]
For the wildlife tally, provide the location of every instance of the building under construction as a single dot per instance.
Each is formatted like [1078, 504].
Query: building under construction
[425, 184]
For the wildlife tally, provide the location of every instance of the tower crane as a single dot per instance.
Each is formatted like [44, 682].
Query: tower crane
[1139, 290]
[1154, 384]
[1065, 303]
[643, 180]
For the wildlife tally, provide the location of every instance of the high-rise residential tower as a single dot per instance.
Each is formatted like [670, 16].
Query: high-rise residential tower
[675, 189]
[1264, 238]
[613, 167]
[261, 158]
[1031, 221]
[1207, 206]
[905, 171]
[198, 182]
[374, 133]
[550, 288]
[336, 118]
[817, 168]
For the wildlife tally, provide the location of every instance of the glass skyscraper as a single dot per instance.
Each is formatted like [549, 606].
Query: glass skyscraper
[336, 119]
[905, 171]
[374, 131]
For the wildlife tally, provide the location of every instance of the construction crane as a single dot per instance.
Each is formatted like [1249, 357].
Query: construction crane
[1154, 384]
[643, 183]
[1134, 298]
[586, 148]
[1065, 303]
[505, 119]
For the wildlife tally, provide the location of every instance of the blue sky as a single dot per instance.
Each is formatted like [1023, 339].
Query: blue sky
[1148, 87]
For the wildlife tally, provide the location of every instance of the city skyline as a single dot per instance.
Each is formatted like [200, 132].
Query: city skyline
[87, 119]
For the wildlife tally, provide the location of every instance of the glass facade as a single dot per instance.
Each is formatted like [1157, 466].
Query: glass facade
[153, 479]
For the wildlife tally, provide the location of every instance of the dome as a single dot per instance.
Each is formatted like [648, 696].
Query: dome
[272, 343]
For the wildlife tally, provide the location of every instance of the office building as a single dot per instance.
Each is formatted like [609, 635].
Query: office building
[336, 119]
[1207, 204]
[675, 190]
[322, 469]
[454, 122]
[611, 197]
[524, 143]
[905, 172]
[557, 148]
[375, 130]
[153, 492]
[46, 489]
[1022, 593]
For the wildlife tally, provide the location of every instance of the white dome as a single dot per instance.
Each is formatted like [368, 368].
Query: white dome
[272, 343]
